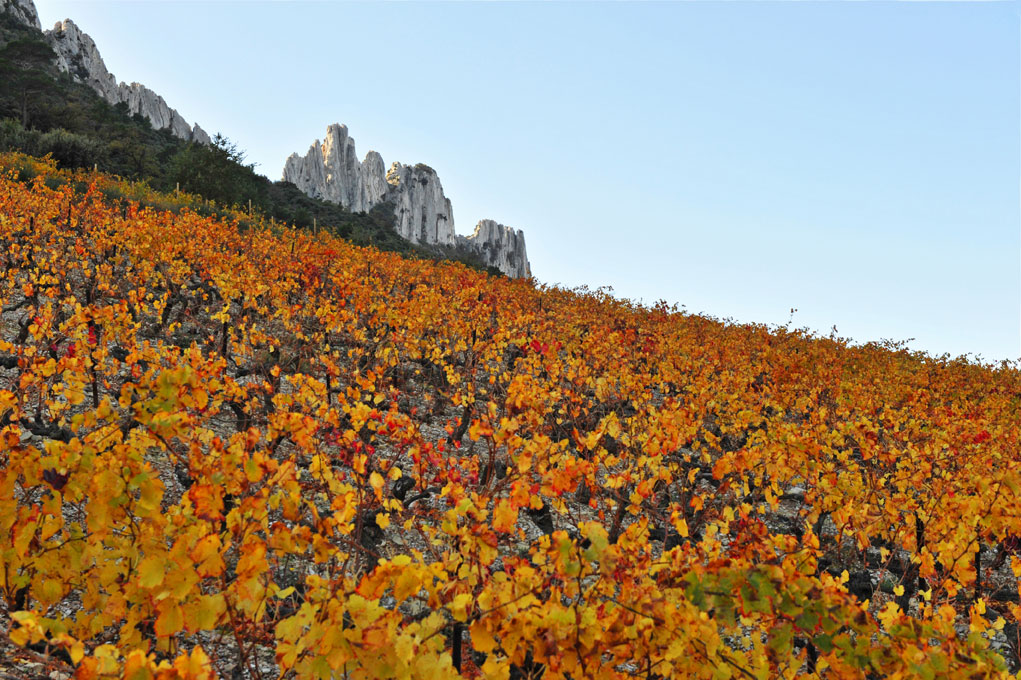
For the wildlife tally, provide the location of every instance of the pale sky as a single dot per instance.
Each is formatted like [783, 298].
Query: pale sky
[858, 161]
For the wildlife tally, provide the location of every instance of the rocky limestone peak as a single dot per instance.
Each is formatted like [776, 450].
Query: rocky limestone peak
[23, 11]
[331, 171]
[422, 212]
[374, 172]
[499, 246]
[78, 55]
[199, 135]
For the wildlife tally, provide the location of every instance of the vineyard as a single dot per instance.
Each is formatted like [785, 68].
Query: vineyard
[232, 448]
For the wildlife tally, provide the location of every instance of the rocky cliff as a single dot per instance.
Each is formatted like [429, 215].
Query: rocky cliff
[331, 171]
[78, 55]
[422, 213]
[23, 12]
[499, 246]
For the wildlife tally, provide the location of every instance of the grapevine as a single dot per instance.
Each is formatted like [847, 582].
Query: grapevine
[233, 447]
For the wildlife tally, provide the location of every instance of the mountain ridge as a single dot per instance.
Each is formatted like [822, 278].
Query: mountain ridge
[331, 171]
[78, 56]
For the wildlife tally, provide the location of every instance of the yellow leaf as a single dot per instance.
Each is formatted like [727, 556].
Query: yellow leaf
[376, 482]
[151, 571]
[383, 520]
[104, 409]
[898, 590]
[171, 619]
[196, 666]
[889, 614]
[207, 556]
[50, 591]
[612, 426]
[404, 649]
[482, 638]
[137, 666]
[49, 368]
[459, 607]
[680, 524]
[408, 583]
[505, 516]
[77, 652]
[29, 631]
[204, 613]
[493, 669]
[676, 649]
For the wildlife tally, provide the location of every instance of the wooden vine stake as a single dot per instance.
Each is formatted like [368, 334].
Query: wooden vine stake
[455, 645]
[978, 572]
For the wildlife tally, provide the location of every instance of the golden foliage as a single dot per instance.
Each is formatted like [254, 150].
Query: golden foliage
[205, 430]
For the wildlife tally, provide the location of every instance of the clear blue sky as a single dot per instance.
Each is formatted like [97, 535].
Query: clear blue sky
[858, 161]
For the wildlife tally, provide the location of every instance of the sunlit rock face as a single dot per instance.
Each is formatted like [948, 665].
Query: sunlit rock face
[78, 55]
[330, 170]
[421, 210]
[499, 246]
[23, 11]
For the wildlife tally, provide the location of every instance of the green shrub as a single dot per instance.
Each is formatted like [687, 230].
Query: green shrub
[71, 150]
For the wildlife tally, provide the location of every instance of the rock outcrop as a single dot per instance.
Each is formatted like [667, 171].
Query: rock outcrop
[499, 246]
[422, 213]
[78, 55]
[23, 12]
[330, 171]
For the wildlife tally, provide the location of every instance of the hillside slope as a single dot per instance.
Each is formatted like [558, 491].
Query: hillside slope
[46, 111]
[260, 452]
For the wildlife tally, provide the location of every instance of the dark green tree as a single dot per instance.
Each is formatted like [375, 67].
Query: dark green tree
[218, 172]
[23, 63]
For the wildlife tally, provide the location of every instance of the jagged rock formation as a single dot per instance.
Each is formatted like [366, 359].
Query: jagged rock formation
[499, 246]
[330, 171]
[422, 213]
[78, 55]
[22, 11]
